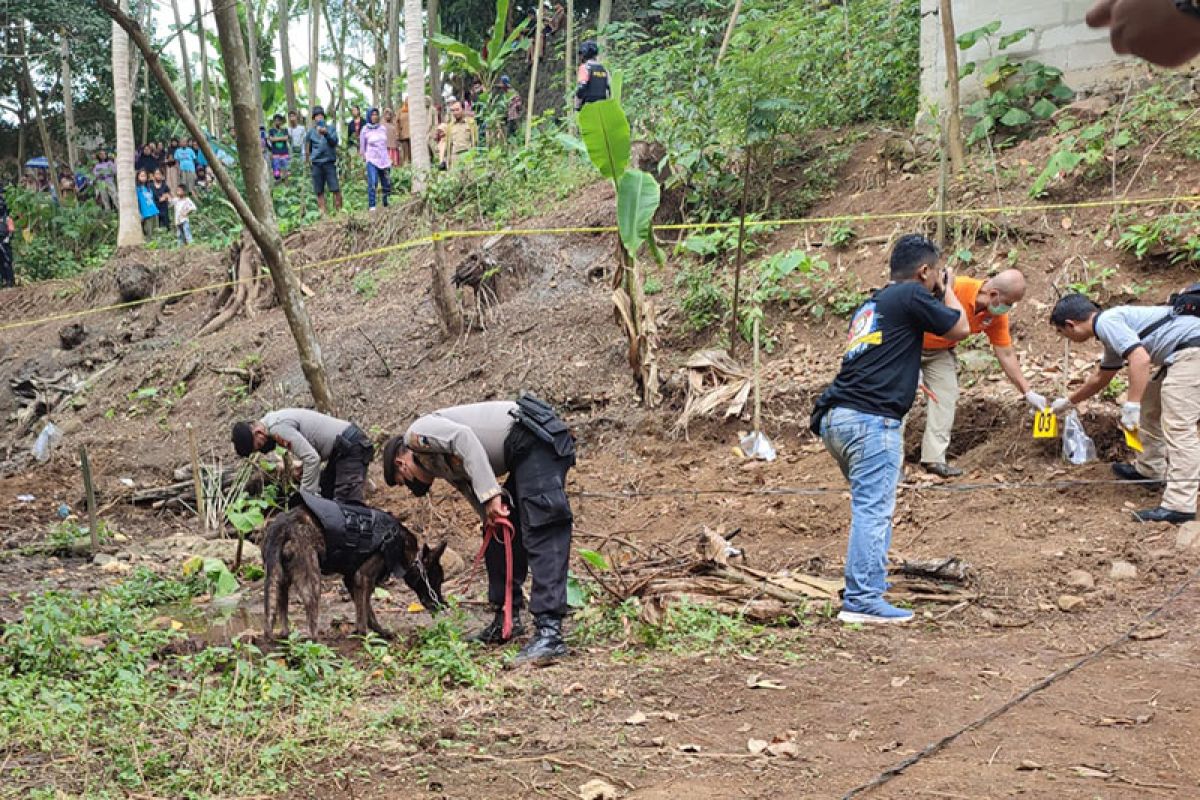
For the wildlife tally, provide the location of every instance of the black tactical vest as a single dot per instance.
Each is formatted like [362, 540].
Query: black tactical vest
[597, 85]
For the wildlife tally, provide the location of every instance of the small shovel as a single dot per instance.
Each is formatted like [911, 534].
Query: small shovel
[757, 445]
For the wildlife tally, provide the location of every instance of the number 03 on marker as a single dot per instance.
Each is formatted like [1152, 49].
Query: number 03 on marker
[1045, 425]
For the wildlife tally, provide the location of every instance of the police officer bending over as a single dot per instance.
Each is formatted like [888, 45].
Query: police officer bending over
[313, 437]
[471, 445]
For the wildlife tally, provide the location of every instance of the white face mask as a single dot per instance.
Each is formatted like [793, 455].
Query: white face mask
[999, 309]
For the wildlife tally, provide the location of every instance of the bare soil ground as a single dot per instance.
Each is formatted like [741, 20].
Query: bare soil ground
[855, 702]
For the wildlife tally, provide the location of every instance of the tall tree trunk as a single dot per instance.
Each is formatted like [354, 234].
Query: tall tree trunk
[314, 52]
[418, 114]
[129, 221]
[285, 57]
[255, 210]
[339, 52]
[435, 60]
[252, 55]
[737, 9]
[206, 86]
[36, 103]
[954, 112]
[146, 107]
[68, 93]
[393, 54]
[602, 20]
[539, 38]
[189, 90]
[22, 121]
[569, 53]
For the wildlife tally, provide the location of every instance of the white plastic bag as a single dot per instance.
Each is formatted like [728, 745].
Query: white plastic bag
[1078, 447]
[47, 440]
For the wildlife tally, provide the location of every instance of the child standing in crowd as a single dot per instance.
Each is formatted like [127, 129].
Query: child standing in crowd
[162, 198]
[186, 157]
[373, 145]
[183, 207]
[146, 204]
[277, 138]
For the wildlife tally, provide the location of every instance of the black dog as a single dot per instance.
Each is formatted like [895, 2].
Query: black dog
[363, 545]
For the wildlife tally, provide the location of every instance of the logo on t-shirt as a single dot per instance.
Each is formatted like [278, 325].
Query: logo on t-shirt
[864, 332]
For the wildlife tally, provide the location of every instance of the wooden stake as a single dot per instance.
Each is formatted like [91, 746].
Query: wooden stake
[741, 255]
[199, 484]
[93, 531]
[950, 45]
[757, 381]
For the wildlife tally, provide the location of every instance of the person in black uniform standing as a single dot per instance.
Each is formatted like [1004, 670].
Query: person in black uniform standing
[469, 446]
[592, 77]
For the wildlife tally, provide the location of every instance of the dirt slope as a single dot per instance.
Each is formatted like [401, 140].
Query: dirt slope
[858, 701]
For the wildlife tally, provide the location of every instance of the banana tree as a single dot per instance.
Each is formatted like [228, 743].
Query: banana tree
[486, 64]
[604, 129]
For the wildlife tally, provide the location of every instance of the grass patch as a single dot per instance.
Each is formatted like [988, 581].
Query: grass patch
[686, 628]
[100, 697]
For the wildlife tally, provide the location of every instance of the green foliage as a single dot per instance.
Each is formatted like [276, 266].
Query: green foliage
[57, 240]
[1116, 387]
[704, 298]
[1173, 236]
[788, 71]
[499, 185]
[1091, 279]
[211, 575]
[66, 537]
[441, 656]
[1019, 93]
[796, 278]
[1087, 150]
[498, 50]
[686, 628]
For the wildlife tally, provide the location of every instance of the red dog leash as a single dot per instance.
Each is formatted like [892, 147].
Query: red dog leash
[501, 529]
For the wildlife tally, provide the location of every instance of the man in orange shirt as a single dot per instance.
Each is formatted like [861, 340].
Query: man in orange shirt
[987, 304]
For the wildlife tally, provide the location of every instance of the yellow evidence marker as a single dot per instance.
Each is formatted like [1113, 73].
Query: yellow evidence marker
[1045, 425]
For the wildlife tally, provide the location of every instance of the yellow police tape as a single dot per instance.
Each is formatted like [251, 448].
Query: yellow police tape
[683, 226]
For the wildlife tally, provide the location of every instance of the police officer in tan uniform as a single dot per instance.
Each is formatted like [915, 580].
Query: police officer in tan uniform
[470, 446]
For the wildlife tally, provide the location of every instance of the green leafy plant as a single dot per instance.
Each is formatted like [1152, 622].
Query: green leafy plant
[67, 536]
[839, 235]
[1019, 93]
[1086, 150]
[1173, 236]
[486, 64]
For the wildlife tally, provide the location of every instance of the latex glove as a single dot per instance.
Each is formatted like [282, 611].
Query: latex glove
[1061, 405]
[1035, 400]
[1131, 416]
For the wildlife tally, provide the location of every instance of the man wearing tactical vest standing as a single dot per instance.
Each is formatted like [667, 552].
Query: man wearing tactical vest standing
[470, 446]
[592, 77]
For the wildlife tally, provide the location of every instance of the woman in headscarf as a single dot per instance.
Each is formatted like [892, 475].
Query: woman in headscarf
[373, 145]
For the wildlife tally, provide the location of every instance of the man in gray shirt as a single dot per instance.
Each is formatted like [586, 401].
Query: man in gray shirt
[312, 437]
[1163, 405]
[470, 446]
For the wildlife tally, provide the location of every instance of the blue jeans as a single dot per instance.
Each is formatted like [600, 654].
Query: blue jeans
[184, 231]
[869, 450]
[377, 175]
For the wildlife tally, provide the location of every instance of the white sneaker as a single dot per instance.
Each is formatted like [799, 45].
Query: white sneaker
[860, 618]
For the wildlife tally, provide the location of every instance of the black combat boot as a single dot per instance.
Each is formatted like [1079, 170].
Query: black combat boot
[493, 632]
[547, 644]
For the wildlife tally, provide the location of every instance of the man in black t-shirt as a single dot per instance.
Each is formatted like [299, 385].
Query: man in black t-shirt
[859, 415]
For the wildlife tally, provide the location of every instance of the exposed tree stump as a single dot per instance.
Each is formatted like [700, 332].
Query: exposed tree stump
[71, 336]
[134, 282]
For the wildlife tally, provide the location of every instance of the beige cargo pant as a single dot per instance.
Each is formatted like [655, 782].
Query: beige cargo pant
[940, 371]
[1171, 444]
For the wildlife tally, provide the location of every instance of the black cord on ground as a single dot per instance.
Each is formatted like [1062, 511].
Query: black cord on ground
[941, 744]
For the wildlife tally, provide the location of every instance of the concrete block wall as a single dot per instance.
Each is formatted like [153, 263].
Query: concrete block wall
[1060, 38]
